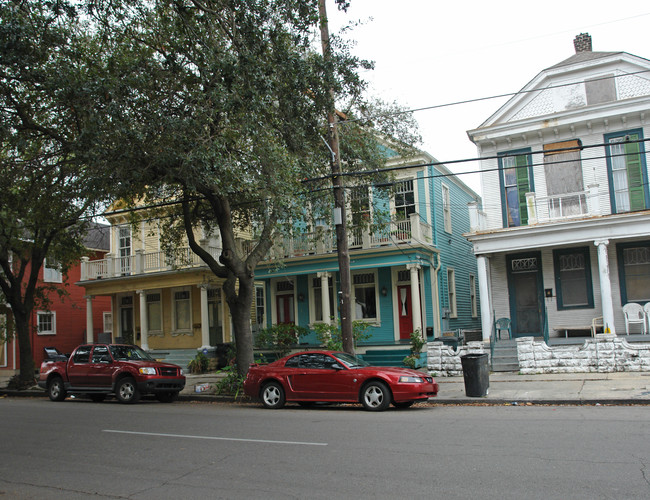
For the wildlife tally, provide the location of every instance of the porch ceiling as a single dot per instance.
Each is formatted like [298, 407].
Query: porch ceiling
[611, 227]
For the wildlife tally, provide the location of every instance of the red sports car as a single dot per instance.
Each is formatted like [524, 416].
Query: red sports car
[336, 377]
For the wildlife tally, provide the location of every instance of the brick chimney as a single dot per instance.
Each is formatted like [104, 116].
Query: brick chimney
[582, 43]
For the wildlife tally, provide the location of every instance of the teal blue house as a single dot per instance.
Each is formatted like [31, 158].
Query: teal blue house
[413, 272]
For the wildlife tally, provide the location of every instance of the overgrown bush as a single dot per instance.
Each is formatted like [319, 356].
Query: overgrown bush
[417, 342]
[280, 338]
[329, 334]
[232, 384]
[199, 364]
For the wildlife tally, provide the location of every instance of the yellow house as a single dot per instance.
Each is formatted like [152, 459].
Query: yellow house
[159, 301]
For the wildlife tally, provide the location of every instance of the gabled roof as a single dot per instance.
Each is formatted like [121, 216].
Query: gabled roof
[98, 237]
[561, 87]
[581, 57]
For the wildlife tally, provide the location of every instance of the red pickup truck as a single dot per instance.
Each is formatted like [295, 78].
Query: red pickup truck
[97, 370]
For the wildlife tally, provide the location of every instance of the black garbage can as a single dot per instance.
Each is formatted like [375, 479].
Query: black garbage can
[476, 375]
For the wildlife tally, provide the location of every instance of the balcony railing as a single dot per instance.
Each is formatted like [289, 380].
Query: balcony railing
[142, 263]
[562, 206]
[565, 206]
[323, 240]
[320, 242]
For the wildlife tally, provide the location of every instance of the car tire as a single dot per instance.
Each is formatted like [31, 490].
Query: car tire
[127, 391]
[97, 398]
[56, 389]
[403, 404]
[167, 397]
[273, 396]
[375, 396]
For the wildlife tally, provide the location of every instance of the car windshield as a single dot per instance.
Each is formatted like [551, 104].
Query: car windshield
[129, 352]
[350, 361]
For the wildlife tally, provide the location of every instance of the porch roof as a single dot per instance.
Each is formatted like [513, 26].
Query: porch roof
[632, 225]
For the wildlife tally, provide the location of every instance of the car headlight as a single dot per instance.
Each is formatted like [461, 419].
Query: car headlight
[181, 372]
[147, 370]
[410, 380]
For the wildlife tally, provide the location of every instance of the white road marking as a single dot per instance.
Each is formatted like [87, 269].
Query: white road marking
[214, 438]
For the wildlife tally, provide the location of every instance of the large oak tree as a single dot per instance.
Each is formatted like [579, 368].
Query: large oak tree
[220, 105]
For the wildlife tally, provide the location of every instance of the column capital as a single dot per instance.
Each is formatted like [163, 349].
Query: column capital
[323, 274]
[601, 242]
[140, 292]
[89, 297]
[203, 286]
[417, 266]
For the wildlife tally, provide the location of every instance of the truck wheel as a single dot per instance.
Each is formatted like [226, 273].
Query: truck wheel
[127, 391]
[167, 397]
[56, 389]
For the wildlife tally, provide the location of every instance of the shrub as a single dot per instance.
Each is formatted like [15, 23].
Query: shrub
[329, 334]
[280, 338]
[199, 364]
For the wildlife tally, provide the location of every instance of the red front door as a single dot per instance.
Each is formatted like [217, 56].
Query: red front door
[285, 312]
[405, 312]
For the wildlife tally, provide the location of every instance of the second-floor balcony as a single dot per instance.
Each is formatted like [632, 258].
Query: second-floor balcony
[555, 208]
[323, 241]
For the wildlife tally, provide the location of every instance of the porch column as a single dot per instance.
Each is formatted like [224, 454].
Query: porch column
[484, 297]
[90, 331]
[605, 285]
[205, 318]
[144, 320]
[325, 296]
[415, 297]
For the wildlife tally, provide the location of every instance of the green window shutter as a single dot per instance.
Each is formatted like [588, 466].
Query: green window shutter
[634, 174]
[523, 186]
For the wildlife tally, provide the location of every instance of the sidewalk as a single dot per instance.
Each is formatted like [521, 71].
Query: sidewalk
[622, 388]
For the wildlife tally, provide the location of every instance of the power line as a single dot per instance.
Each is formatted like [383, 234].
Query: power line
[487, 98]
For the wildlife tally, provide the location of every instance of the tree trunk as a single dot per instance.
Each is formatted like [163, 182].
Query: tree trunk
[21, 324]
[240, 302]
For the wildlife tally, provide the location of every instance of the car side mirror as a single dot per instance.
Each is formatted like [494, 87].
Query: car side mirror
[337, 366]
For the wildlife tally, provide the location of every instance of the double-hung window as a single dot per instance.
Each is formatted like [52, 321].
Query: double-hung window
[365, 296]
[46, 321]
[446, 207]
[52, 271]
[516, 180]
[626, 169]
[634, 271]
[404, 199]
[573, 278]
[182, 310]
[154, 312]
[451, 293]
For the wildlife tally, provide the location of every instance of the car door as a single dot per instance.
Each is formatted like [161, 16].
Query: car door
[100, 370]
[79, 366]
[317, 379]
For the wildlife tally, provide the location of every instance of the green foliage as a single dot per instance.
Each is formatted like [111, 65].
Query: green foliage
[329, 334]
[233, 382]
[417, 343]
[280, 338]
[199, 364]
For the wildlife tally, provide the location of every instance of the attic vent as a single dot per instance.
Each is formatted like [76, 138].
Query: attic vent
[582, 43]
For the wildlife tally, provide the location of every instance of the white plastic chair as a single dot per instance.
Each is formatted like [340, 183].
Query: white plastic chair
[634, 314]
[646, 309]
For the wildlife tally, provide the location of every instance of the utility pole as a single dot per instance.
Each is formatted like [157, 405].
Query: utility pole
[339, 198]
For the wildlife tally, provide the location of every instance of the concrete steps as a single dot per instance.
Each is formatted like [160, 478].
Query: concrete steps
[180, 357]
[505, 357]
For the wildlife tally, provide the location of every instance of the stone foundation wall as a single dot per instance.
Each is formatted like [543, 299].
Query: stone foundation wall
[444, 361]
[605, 353]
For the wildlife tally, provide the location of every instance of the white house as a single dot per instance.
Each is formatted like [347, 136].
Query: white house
[564, 233]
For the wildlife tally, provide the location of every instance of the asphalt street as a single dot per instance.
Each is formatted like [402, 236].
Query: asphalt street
[77, 449]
